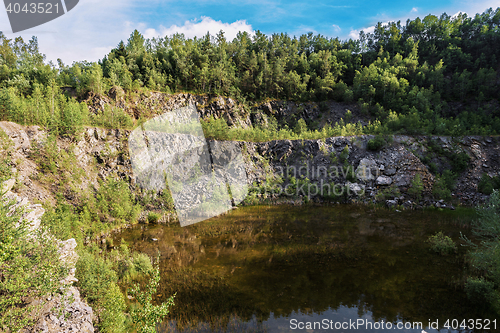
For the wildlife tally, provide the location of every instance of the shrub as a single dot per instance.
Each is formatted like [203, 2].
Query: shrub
[417, 187]
[376, 143]
[442, 244]
[112, 117]
[433, 168]
[114, 200]
[487, 184]
[344, 155]
[147, 315]
[153, 217]
[29, 269]
[480, 291]
[440, 190]
[142, 263]
[167, 200]
[388, 193]
[5, 156]
[300, 127]
[459, 161]
[98, 284]
[449, 178]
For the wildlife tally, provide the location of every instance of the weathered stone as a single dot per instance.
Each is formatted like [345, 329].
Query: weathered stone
[7, 185]
[390, 172]
[383, 180]
[402, 180]
[70, 314]
[356, 188]
[365, 168]
[391, 203]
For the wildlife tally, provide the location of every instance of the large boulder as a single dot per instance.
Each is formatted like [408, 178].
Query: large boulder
[383, 180]
[366, 168]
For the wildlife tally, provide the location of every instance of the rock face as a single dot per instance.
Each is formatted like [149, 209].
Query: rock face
[105, 152]
[69, 314]
[31, 213]
[64, 313]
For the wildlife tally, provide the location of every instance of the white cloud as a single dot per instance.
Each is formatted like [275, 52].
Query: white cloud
[414, 10]
[196, 28]
[354, 33]
[94, 27]
[336, 28]
[87, 32]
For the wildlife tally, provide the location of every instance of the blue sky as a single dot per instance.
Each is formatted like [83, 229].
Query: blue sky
[94, 27]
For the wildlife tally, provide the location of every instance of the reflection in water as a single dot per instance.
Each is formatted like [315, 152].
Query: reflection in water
[257, 268]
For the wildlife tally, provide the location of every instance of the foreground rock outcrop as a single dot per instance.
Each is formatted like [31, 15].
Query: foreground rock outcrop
[66, 312]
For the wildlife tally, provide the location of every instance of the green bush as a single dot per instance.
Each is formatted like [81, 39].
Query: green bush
[129, 266]
[115, 201]
[487, 184]
[484, 259]
[440, 190]
[112, 117]
[388, 193]
[142, 263]
[98, 284]
[433, 168]
[133, 267]
[5, 156]
[64, 222]
[29, 269]
[417, 187]
[344, 154]
[442, 244]
[112, 316]
[449, 178]
[480, 291]
[153, 217]
[167, 200]
[146, 315]
[459, 161]
[376, 143]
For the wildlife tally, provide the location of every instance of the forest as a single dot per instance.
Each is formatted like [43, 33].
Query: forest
[436, 75]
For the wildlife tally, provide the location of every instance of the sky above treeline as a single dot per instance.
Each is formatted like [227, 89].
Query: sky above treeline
[94, 27]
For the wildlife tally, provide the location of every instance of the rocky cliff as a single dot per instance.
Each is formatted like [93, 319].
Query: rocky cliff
[385, 174]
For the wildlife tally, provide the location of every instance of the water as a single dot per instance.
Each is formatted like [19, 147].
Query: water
[283, 268]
